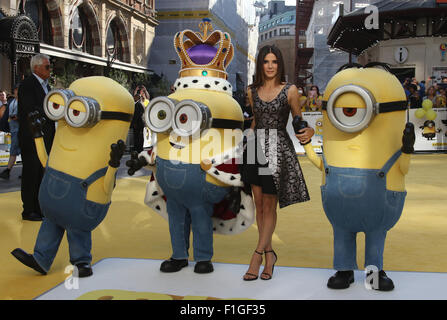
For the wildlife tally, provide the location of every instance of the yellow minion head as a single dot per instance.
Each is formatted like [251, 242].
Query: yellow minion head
[91, 114]
[364, 116]
[200, 119]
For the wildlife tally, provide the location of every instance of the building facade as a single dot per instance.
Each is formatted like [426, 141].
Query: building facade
[326, 60]
[237, 17]
[82, 37]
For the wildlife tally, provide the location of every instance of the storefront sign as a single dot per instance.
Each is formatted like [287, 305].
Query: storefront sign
[401, 54]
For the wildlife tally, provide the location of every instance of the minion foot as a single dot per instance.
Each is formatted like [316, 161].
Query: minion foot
[341, 280]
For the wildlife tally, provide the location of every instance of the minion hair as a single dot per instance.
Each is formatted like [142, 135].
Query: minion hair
[383, 65]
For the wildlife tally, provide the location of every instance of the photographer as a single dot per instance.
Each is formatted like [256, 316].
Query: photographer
[314, 99]
[144, 95]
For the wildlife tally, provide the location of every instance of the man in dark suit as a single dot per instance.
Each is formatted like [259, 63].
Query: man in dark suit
[137, 124]
[31, 95]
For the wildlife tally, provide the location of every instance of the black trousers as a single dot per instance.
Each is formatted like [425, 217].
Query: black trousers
[138, 140]
[32, 174]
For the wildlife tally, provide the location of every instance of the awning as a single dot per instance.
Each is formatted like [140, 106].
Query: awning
[350, 34]
[88, 58]
[18, 37]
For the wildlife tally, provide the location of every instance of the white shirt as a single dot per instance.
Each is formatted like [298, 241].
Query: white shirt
[43, 83]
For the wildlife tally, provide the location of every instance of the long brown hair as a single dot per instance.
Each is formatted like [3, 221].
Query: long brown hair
[259, 76]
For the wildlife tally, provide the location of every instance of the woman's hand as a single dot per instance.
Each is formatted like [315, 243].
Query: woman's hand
[305, 135]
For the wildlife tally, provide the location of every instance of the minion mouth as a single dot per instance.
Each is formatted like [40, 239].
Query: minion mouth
[176, 145]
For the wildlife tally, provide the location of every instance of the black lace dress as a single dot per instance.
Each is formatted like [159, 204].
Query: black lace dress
[277, 148]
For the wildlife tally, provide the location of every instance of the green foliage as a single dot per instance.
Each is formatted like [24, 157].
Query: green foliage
[68, 75]
[161, 87]
[121, 77]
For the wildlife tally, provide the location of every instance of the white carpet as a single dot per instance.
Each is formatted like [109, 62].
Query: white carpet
[143, 275]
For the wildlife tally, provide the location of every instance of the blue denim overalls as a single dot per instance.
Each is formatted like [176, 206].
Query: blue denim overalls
[190, 202]
[64, 204]
[356, 200]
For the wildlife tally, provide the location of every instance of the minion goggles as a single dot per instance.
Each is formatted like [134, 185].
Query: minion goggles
[356, 119]
[79, 119]
[185, 118]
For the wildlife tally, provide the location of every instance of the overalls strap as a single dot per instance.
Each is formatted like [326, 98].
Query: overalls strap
[382, 172]
[94, 176]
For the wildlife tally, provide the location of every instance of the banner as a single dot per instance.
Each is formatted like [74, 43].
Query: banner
[431, 135]
[5, 145]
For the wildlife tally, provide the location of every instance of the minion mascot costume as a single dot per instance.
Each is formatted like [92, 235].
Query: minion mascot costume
[199, 130]
[364, 163]
[93, 117]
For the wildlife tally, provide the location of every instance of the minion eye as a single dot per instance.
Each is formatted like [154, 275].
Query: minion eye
[190, 117]
[349, 116]
[55, 103]
[161, 115]
[158, 114]
[351, 119]
[76, 117]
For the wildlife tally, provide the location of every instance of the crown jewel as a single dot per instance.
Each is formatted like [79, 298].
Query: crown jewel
[203, 54]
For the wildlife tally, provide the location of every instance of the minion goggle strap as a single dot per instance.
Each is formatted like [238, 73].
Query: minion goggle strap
[356, 119]
[185, 118]
[79, 118]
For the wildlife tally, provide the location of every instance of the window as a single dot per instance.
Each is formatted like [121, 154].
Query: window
[80, 33]
[114, 46]
[270, 34]
[275, 33]
[284, 31]
[38, 12]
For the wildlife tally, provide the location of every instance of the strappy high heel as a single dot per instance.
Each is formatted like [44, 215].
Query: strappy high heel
[273, 267]
[251, 274]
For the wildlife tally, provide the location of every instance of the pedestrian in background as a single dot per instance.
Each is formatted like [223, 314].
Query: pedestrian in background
[137, 124]
[13, 123]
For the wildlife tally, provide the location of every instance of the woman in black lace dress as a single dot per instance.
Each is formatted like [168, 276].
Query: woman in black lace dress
[275, 174]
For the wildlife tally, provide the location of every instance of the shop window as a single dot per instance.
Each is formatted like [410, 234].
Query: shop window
[114, 44]
[80, 32]
[38, 12]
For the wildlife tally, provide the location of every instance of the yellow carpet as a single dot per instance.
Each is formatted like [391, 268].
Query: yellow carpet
[303, 236]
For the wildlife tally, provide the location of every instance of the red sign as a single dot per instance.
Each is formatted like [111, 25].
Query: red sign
[441, 1]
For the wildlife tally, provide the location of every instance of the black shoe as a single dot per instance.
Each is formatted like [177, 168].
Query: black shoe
[269, 276]
[203, 267]
[27, 259]
[5, 174]
[31, 216]
[84, 270]
[341, 280]
[385, 283]
[173, 265]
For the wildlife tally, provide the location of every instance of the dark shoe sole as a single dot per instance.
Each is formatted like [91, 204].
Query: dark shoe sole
[203, 270]
[337, 287]
[32, 217]
[171, 270]
[28, 260]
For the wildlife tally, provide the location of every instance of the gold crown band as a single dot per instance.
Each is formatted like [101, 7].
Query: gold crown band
[202, 72]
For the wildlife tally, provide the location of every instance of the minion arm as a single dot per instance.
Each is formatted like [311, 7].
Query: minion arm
[313, 157]
[408, 140]
[41, 151]
[36, 124]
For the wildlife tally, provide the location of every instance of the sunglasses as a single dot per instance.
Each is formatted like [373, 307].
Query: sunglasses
[47, 67]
